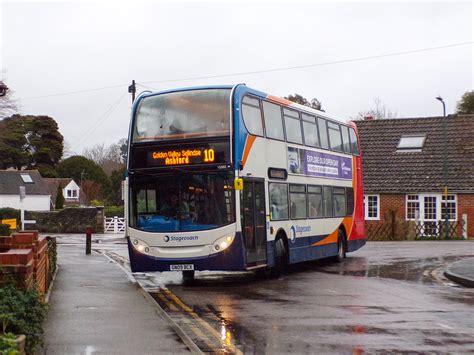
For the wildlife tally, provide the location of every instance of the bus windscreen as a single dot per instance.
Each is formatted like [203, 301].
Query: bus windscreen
[184, 114]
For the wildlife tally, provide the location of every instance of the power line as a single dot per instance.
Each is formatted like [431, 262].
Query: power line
[84, 138]
[358, 59]
[74, 92]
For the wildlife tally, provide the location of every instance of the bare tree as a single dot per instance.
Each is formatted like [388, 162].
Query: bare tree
[97, 153]
[8, 105]
[67, 151]
[108, 157]
[380, 111]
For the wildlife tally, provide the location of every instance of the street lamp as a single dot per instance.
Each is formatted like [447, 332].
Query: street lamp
[445, 169]
[3, 89]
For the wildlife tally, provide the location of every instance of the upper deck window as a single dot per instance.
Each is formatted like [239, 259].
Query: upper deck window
[310, 130]
[183, 114]
[335, 140]
[252, 115]
[411, 143]
[273, 121]
[323, 133]
[354, 145]
[293, 126]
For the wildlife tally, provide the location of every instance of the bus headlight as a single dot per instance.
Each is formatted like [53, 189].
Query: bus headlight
[222, 244]
[141, 246]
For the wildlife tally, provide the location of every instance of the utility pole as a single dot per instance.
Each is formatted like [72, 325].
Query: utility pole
[132, 89]
[445, 168]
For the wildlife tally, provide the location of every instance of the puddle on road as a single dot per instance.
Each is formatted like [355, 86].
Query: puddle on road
[419, 270]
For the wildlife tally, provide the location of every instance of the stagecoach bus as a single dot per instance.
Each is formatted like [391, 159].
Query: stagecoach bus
[231, 178]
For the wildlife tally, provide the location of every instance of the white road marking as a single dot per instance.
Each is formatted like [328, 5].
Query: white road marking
[89, 350]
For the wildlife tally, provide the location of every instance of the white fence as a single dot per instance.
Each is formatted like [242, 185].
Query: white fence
[114, 225]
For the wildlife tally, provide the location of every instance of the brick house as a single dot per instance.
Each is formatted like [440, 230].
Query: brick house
[403, 161]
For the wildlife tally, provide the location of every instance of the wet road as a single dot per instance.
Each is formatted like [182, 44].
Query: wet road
[386, 297]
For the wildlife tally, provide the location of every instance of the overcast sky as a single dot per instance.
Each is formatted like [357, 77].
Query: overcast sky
[57, 47]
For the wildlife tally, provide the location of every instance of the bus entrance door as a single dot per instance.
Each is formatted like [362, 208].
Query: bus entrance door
[253, 221]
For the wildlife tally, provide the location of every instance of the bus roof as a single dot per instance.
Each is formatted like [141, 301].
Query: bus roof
[245, 89]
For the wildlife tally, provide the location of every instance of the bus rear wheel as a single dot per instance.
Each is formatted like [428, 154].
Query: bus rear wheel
[341, 246]
[188, 275]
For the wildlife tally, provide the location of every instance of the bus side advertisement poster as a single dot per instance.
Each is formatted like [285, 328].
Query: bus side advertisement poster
[308, 162]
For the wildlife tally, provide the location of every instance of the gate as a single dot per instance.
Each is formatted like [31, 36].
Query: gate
[114, 225]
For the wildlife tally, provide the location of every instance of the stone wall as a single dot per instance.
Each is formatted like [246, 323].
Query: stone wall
[68, 220]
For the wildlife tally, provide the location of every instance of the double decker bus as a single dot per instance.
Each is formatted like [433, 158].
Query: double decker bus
[230, 178]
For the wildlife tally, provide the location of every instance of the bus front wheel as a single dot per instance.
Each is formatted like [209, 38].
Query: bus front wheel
[281, 257]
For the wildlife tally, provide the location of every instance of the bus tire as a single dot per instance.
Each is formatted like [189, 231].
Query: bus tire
[188, 275]
[341, 246]
[281, 257]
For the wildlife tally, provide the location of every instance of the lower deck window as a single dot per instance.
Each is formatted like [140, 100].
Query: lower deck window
[339, 201]
[278, 201]
[298, 201]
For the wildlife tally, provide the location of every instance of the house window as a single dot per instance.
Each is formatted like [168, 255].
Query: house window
[448, 206]
[372, 207]
[27, 178]
[431, 207]
[413, 206]
[411, 143]
[71, 193]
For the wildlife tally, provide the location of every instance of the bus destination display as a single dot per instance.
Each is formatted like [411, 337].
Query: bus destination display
[183, 156]
[206, 154]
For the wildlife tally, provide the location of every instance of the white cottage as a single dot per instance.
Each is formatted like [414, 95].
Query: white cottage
[70, 189]
[37, 196]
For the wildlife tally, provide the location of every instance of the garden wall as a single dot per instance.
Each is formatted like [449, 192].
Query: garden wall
[68, 220]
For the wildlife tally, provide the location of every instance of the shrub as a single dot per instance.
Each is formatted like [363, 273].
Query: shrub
[96, 203]
[9, 213]
[8, 345]
[22, 312]
[4, 229]
[52, 255]
[112, 211]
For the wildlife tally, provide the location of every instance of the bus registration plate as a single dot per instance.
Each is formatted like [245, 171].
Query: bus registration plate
[181, 267]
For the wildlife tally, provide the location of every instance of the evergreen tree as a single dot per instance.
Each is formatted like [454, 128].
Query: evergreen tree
[59, 204]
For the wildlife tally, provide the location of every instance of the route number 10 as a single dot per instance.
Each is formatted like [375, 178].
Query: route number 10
[209, 155]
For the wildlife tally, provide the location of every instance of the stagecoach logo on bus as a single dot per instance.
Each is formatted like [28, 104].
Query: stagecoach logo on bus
[308, 162]
[297, 229]
[174, 238]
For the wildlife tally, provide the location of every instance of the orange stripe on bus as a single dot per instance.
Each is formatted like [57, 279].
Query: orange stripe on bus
[248, 146]
[280, 100]
[332, 238]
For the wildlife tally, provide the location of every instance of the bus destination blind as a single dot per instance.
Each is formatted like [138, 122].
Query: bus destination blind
[185, 156]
